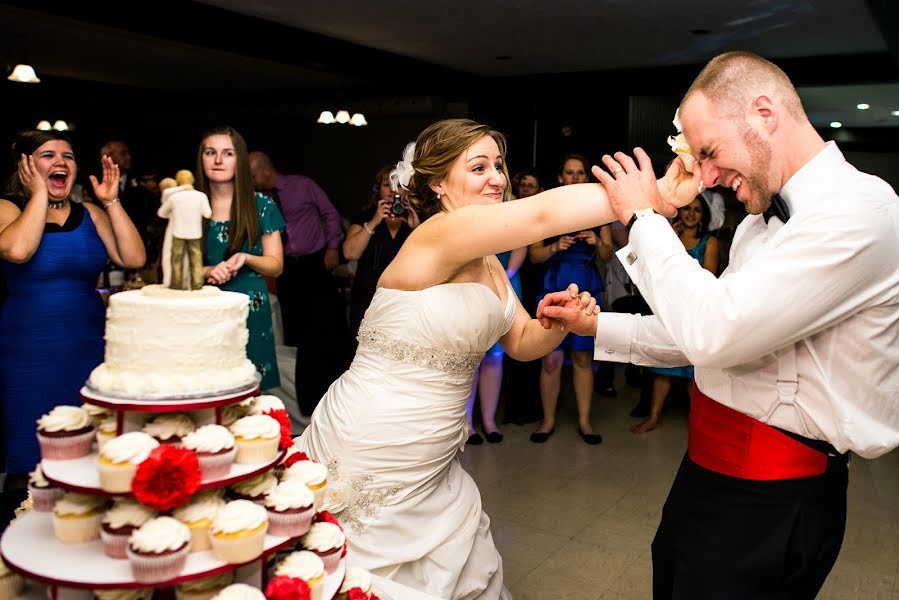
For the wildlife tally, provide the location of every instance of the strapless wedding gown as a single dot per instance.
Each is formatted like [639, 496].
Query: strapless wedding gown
[390, 429]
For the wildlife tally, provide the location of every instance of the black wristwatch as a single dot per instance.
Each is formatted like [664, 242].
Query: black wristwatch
[639, 214]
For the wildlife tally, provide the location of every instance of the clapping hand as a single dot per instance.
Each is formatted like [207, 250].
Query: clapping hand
[107, 189]
[32, 182]
[227, 269]
[568, 308]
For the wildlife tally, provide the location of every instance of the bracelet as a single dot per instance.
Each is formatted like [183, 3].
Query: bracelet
[110, 203]
[367, 230]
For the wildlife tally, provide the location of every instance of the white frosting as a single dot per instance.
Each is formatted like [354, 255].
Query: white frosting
[256, 486]
[307, 471]
[159, 535]
[294, 448]
[323, 536]
[166, 426]
[209, 438]
[239, 591]
[356, 578]
[289, 494]
[78, 504]
[204, 505]
[255, 427]
[236, 411]
[208, 583]
[64, 418]
[266, 403]
[132, 447]
[137, 594]
[302, 565]
[239, 515]
[170, 341]
[36, 478]
[95, 411]
[128, 512]
[108, 425]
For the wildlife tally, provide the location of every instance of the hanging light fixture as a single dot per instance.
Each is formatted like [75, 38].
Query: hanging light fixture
[24, 74]
[44, 126]
[358, 119]
[60, 125]
[326, 118]
[343, 117]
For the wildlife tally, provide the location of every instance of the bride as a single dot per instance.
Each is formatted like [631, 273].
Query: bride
[390, 428]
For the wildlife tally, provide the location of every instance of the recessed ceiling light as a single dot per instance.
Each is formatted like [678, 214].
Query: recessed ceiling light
[895, 113]
[836, 124]
[863, 106]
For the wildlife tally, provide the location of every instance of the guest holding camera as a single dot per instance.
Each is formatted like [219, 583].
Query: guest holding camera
[374, 239]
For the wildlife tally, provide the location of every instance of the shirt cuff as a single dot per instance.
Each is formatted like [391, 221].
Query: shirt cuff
[614, 337]
[650, 237]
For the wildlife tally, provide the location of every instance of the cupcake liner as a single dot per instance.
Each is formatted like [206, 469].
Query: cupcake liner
[116, 479]
[199, 539]
[239, 550]
[11, 585]
[213, 466]
[66, 447]
[331, 559]
[44, 498]
[289, 524]
[77, 530]
[154, 568]
[114, 545]
[252, 452]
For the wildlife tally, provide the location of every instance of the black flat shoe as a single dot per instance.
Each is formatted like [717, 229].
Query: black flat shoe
[475, 439]
[589, 438]
[540, 437]
[494, 437]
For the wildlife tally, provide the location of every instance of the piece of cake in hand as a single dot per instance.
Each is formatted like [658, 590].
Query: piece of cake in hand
[327, 541]
[307, 566]
[65, 432]
[120, 457]
[215, 449]
[158, 550]
[355, 578]
[76, 518]
[169, 428]
[313, 474]
[205, 588]
[11, 583]
[255, 488]
[291, 506]
[119, 522]
[257, 438]
[43, 494]
[238, 532]
[198, 515]
[239, 591]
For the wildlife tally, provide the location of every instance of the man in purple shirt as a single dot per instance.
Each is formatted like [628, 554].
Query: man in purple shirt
[313, 312]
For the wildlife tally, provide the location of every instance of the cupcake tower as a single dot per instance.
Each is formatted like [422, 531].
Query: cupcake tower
[133, 496]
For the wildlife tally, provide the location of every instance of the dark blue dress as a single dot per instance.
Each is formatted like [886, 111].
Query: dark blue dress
[52, 331]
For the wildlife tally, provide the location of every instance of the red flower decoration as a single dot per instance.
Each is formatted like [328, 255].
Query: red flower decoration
[356, 593]
[283, 420]
[167, 478]
[295, 458]
[287, 588]
[326, 517]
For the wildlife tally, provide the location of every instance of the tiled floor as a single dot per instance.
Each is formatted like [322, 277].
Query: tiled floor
[576, 521]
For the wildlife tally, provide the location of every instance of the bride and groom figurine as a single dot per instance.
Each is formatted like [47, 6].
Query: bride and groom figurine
[185, 208]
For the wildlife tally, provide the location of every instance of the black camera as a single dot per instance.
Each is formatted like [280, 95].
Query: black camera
[397, 208]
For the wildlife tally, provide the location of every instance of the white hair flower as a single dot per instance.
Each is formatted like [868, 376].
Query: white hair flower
[401, 175]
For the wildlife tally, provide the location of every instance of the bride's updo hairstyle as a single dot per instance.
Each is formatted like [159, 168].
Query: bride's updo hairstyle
[436, 150]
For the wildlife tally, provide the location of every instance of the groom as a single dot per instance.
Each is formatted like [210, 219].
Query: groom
[794, 346]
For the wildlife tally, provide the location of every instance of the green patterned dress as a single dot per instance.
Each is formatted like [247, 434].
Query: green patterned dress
[261, 343]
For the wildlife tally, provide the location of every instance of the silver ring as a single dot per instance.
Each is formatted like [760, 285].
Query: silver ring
[617, 171]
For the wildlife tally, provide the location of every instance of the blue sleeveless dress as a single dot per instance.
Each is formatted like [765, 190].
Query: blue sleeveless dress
[52, 324]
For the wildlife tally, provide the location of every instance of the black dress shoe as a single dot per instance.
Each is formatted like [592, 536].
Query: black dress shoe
[475, 439]
[540, 437]
[494, 437]
[589, 438]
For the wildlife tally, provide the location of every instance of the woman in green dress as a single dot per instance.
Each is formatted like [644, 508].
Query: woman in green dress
[243, 239]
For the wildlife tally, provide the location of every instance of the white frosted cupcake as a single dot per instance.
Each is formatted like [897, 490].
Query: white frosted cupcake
[158, 550]
[11, 583]
[307, 566]
[169, 428]
[263, 404]
[198, 515]
[76, 518]
[255, 488]
[120, 457]
[204, 589]
[65, 432]
[215, 449]
[97, 413]
[291, 506]
[326, 540]
[234, 412]
[119, 522]
[120, 594]
[355, 578]
[238, 532]
[313, 474]
[239, 591]
[43, 495]
[257, 438]
[106, 430]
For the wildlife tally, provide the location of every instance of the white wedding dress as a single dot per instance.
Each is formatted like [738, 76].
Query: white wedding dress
[390, 429]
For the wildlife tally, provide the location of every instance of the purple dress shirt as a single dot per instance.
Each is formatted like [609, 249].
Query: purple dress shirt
[312, 221]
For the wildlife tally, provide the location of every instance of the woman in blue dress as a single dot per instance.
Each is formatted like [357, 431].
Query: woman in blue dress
[692, 226]
[52, 251]
[571, 259]
[243, 240]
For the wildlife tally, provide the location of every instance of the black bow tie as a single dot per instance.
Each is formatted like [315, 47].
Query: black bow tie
[777, 209]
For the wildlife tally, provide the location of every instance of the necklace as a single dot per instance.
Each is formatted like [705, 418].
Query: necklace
[59, 204]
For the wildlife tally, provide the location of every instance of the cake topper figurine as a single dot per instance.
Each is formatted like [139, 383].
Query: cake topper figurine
[185, 208]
